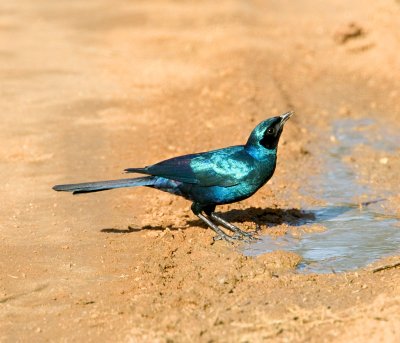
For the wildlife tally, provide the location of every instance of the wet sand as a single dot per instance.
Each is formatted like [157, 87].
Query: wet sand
[91, 88]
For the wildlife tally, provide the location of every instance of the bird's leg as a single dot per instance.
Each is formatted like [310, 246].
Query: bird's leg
[199, 209]
[221, 234]
[238, 233]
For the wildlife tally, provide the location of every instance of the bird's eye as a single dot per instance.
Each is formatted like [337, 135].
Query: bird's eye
[271, 130]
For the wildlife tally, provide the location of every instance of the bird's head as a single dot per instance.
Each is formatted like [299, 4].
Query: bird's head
[266, 134]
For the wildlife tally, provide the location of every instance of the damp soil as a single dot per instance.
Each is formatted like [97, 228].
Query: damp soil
[91, 88]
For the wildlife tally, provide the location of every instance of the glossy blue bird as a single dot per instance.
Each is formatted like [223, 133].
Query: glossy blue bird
[209, 178]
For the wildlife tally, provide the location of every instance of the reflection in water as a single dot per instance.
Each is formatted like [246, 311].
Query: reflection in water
[355, 236]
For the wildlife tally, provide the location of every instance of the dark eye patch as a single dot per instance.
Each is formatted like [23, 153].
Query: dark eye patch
[271, 137]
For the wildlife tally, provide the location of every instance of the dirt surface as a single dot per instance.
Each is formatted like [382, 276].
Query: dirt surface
[90, 88]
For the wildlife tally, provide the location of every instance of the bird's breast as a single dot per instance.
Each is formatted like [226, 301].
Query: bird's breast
[246, 186]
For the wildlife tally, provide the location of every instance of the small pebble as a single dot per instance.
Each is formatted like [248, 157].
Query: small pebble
[384, 160]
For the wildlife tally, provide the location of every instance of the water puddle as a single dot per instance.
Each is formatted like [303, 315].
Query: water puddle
[356, 235]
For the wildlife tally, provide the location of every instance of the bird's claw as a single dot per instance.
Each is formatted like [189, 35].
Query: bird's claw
[251, 234]
[245, 238]
[225, 238]
[238, 236]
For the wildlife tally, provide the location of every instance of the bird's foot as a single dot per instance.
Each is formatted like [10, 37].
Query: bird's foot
[234, 238]
[221, 235]
[244, 236]
[255, 232]
[225, 237]
[247, 235]
[238, 233]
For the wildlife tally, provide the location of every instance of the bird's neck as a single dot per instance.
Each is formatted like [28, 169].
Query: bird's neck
[260, 153]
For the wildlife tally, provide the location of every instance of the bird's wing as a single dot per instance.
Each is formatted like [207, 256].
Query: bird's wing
[224, 167]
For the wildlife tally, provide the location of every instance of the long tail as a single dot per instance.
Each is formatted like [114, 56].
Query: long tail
[99, 186]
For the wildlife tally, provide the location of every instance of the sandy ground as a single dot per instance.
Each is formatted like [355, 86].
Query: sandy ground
[89, 88]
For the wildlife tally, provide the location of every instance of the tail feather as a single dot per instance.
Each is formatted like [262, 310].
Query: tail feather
[89, 187]
[136, 170]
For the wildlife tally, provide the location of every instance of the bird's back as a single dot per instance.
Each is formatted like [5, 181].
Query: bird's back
[214, 177]
[223, 167]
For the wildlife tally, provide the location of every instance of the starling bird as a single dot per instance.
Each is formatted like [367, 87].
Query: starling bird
[209, 178]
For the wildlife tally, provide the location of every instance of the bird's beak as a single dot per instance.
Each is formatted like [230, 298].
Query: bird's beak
[285, 117]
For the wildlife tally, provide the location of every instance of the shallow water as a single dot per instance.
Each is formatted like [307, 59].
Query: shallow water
[356, 235]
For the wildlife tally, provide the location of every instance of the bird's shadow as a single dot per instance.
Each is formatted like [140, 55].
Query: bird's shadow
[131, 229]
[259, 216]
